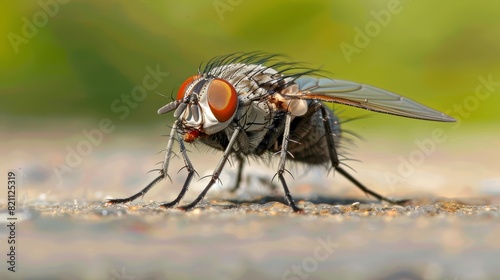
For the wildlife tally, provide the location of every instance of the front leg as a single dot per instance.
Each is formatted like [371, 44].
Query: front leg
[191, 173]
[217, 171]
[163, 172]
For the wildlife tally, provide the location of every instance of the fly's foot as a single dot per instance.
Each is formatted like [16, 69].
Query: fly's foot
[168, 205]
[186, 208]
[401, 202]
[116, 201]
[298, 210]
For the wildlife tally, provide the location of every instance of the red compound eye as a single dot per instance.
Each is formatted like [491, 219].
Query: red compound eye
[222, 99]
[185, 85]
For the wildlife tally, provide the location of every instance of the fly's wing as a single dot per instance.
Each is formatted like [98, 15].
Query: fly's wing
[366, 97]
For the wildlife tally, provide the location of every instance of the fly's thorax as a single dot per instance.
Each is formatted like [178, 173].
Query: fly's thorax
[252, 82]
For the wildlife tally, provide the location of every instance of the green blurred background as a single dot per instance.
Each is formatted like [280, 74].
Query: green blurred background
[82, 56]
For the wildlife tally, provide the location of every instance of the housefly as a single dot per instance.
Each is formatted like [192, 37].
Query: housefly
[253, 104]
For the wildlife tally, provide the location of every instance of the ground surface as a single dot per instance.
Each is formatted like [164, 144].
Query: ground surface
[431, 240]
[449, 230]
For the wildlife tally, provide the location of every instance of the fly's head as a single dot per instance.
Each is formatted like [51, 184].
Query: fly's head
[204, 105]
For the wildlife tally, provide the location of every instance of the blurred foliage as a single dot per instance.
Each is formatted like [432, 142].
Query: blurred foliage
[82, 56]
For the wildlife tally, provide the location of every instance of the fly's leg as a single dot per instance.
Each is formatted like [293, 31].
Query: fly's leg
[163, 172]
[281, 165]
[241, 163]
[191, 172]
[217, 172]
[139, 194]
[336, 163]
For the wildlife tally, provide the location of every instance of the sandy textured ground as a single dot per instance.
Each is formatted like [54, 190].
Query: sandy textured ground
[222, 240]
[449, 230]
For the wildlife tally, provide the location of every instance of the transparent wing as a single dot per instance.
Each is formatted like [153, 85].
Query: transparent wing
[366, 97]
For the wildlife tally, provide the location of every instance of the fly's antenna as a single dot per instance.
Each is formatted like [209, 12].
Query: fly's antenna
[157, 92]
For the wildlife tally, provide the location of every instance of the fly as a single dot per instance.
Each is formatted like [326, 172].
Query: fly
[251, 104]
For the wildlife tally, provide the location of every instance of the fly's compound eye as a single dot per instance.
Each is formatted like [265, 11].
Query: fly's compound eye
[185, 85]
[222, 99]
